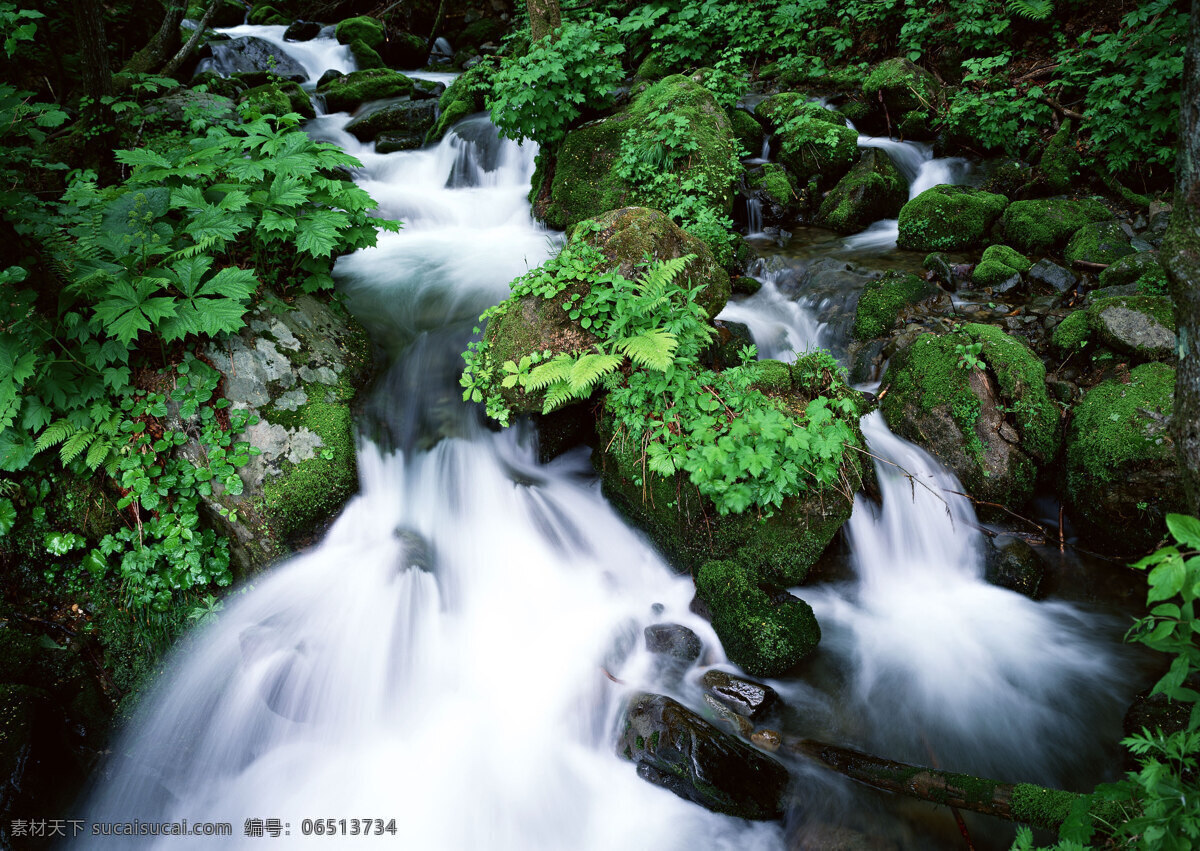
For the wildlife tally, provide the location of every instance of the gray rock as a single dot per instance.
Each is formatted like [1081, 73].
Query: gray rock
[272, 438]
[322, 374]
[1007, 285]
[1012, 563]
[389, 143]
[724, 715]
[1052, 275]
[303, 445]
[302, 31]
[746, 697]
[291, 400]
[673, 640]
[247, 54]
[275, 366]
[1134, 332]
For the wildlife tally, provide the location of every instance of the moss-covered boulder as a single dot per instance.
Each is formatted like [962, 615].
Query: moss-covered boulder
[362, 28]
[1036, 227]
[1059, 165]
[626, 238]
[992, 426]
[908, 92]
[1121, 473]
[462, 97]
[814, 142]
[396, 115]
[279, 98]
[949, 218]
[872, 190]
[652, 68]
[747, 131]
[686, 526]
[998, 265]
[1073, 333]
[1142, 270]
[299, 373]
[345, 93]
[263, 15]
[1098, 242]
[1140, 326]
[880, 304]
[765, 631]
[675, 748]
[365, 56]
[772, 181]
[582, 182]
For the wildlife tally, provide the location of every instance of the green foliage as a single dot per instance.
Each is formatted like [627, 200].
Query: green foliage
[968, 355]
[541, 93]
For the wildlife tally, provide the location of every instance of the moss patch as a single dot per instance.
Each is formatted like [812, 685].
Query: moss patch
[872, 190]
[1038, 226]
[1060, 160]
[747, 131]
[1142, 269]
[813, 141]
[948, 218]
[773, 180]
[362, 28]
[1073, 332]
[881, 302]
[904, 86]
[764, 637]
[998, 264]
[343, 94]
[280, 97]
[462, 97]
[365, 56]
[1098, 242]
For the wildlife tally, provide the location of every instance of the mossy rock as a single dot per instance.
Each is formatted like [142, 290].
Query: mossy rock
[230, 14]
[463, 97]
[362, 28]
[1140, 326]
[279, 98]
[584, 183]
[365, 56]
[763, 631]
[652, 68]
[686, 526]
[747, 131]
[1098, 242]
[267, 16]
[992, 427]
[880, 304]
[1121, 474]
[998, 264]
[949, 218]
[395, 115]
[1060, 161]
[1141, 269]
[909, 94]
[872, 190]
[814, 142]
[773, 181]
[1038, 226]
[343, 94]
[1073, 333]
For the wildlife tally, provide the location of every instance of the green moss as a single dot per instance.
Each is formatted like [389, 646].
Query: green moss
[999, 263]
[904, 86]
[773, 179]
[462, 97]
[763, 638]
[1098, 242]
[881, 302]
[362, 28]
[1073, 332]
[365, 56]
[1142, 268]
[343, 94]
[1037, 226]
[1156, 307]
[772, 377]
[1060, 160]
[280, 97]
[870, 191]
[814, 141]
[267, 16]
[947, 218]
[652, 68]
[1041, 807]
[747, 131]
[1008, 256]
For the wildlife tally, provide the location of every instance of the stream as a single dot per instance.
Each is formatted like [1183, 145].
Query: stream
[437, 658]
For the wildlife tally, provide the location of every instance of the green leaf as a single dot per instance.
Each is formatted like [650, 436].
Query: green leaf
[8, 516]
[1185, 529]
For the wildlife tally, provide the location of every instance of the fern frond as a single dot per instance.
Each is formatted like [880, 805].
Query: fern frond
[54, 434]
[654, 349]
[74, 445]
[556, 396]
[97, 454]
[543, 375]
[663, 274]
[588, 370]
[1035, 10]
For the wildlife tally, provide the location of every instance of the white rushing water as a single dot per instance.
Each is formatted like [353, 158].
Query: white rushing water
[437, 658]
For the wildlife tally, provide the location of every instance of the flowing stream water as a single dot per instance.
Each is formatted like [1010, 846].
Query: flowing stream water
[437, 658]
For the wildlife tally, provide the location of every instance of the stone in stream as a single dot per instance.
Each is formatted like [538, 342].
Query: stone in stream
[998, 266]
[948, 218]
[399, 115]
[814, 142]
[345, 92]
[1140, 326]
[1098, 242]
[744, 696]
[1013, 564]
[248, 53]
[675, 748]
[302, 31]
[872, 190]
[1052, 275]
[673, 641]
[388, 143]
[1036, 227]
[882, 301]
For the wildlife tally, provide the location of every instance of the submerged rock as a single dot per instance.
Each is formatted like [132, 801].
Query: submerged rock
[1011, 563]
[949, 218]
[675, 748]
[992, 426]
[673, 641]
[398, 115]
[302, 31]
[1122, 477]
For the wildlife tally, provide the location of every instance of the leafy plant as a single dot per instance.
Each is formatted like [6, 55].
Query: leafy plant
[968, 355]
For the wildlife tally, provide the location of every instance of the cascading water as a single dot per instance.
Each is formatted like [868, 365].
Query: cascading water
[437, 658]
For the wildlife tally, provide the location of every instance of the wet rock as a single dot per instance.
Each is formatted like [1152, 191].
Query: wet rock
[938, 266]
[1121, 473]
[1142, 271]
[1159, 222]
[1012, 563]
[361, 28]
[387, 143]
[882, 301]
[302, 31]
[251, 54]
[746, 129]
[344, 93]
[872, 190]
[1141, 326]
[427, 89]
[745, 285]
[280, 97]
[771, 186]
[1053, 276]
[405, 50]
[674, 641]
[724, 716]
[812, 141]
[957, 413]
[393, 116]
[330, 74]
[948, 218]
[768, 740]
[909, 95]
[746, 697]
[997, 268]
[677, 749]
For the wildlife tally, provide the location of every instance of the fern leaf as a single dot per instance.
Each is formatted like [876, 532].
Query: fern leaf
[1035, 10]
[54, 434]
[543, 375]
[97, 454]
[654, 349]
[588, 370]
[557, 396]
[74, 445]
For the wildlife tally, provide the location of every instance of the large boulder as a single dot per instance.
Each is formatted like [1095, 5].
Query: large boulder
[1122, 477]
[991, 426]
[1140, 326]
[298, 373]
[771, 186]
[1038, 226]
[908, 93]
[461, 98]
[764, 629]
[814, 142]
[880, 304]
[583, 181]
[279, 98]
[872, 190]
[1141, 270]
[675, 748]
[686, 526]
[345, 93]
[1098, 242]
[250, 54]
[362, 28]
[949, 218]
[394, 115]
